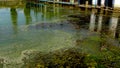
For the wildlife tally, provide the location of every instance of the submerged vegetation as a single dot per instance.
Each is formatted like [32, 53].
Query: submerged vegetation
[70, 58]
[108, 52]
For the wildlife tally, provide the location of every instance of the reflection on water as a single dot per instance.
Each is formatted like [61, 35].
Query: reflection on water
[104, 24]
[99, 23]
[92, 22]
[51, 27]
[107, 26]
[14, 17]
[27, 14]
[113, 25]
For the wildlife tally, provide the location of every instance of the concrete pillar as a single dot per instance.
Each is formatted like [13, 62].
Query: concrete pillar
[99, 24]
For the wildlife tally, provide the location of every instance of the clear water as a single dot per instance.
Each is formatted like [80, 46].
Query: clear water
[48, 28]
[15, 35]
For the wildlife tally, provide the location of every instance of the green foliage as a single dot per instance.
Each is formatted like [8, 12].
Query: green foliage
[70, 58]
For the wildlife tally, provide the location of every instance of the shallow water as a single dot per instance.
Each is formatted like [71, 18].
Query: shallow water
[15, 35]
[52, 27]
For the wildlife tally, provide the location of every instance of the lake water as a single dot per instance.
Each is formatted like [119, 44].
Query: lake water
[52, 27]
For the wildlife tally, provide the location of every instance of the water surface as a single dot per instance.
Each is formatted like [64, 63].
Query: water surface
[51, 27]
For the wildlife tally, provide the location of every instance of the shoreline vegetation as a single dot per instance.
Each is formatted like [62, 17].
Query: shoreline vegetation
[70, 58]
[67, 58]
